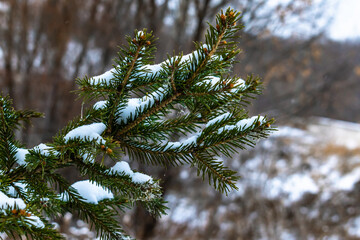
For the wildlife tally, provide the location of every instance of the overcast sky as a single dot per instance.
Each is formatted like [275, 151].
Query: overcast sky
[346, 22]
[340, 19]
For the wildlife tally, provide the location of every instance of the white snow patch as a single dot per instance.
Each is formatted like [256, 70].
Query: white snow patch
[294, 186]
[218, 119]
[42, 148]
[152, 69]
[148, 70]
[45, 150]
[240, 85]
[91, 192]
[55, 226]
[329, 166]
[342, 133]
[12, 190]
[353, 227]
[21, 155]
[246, 123]
[36, 221]
[243, 124]
[100, 105]
[348, 181]
[215, 83]
[352, 126]
[184, 142]
[122, 167]
[6, 201]
[106, 78]
[135, 105]
[240, 81]
[141, 178]
[87, 132]
[211, 81]
[137, 177]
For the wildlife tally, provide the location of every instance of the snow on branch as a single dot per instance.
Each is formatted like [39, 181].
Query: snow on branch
[124, 168]
[183, 143]
[91, 192]
[244, 124]
[100, 105]
[191, 141]
[18, 207]
[218, 119]
[88, 132]
[148, 70]
[41, 148]
[6, 201]
[135, 105]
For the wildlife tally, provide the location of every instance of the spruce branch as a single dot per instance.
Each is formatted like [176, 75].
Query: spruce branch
[218, 176]
[212, 122]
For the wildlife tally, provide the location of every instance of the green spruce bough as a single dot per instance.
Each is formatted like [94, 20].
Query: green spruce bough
[134, 118]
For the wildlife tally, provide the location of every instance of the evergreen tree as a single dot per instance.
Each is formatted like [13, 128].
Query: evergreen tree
[134, 118]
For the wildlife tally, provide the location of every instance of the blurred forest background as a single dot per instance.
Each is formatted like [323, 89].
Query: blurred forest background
[46, 44]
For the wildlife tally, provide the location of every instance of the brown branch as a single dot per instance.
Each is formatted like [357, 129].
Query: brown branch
[127, 76]
[172, 79]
